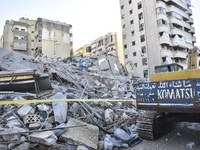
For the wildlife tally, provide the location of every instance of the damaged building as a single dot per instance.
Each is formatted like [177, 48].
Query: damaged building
[38, 37]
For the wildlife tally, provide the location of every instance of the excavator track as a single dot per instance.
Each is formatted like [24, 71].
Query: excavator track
[151, 125]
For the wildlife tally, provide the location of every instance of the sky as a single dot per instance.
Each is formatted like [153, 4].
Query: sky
[90, 19]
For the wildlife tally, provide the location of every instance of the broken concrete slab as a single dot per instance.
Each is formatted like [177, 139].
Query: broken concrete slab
[81, 148]
[103, 63]
[24, 110]
[87, 135]
[23, 146]
[60, 108]
[114, 66]
[46, 138]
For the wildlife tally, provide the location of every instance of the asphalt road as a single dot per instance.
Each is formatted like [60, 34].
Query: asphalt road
[182, 136]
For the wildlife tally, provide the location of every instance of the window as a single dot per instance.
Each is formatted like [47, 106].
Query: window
[174, 14]
[142, 38]
[133, 43]
[162, 22]
[124, 36]
[39, 24]
[131, 11]
[125, 46]
[131, 22]
[32, 40]
[144, 61]
[143, 49]
[135, 64]
[161, 10]
[141, 27]
[176, 60]
[16, 28]
[126, 56]
[145, 72]
[130, 1]
[32, 49]
[22, 29]
[122, 7]
[123, 16]
[15, 37]
[132, 33]
[123, 26]
[40, 40]
[140, 16]
[32, 32]
[134, 54]
[139, 5]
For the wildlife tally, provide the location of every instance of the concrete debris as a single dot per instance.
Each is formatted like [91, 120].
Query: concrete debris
[53, 125]
[87, 135]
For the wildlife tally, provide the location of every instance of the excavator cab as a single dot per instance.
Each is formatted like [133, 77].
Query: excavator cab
[168, 68]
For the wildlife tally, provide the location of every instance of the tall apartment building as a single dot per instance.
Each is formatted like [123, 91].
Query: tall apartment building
[111, 43]
[156, 32]
[38, 37]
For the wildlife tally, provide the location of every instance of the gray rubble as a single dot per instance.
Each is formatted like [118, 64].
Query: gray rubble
[53, 124]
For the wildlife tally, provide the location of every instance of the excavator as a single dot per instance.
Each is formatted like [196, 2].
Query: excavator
[173, 95]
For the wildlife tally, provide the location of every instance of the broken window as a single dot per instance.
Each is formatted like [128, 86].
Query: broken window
[176, 60]
[143, 49]
[141, 27]
[163, 59]
[139, 5]
[133, 43]
[134, 54]
[135, 64]
[125, 46]
[131, 11]
[130, 1]
[145, 72]
[123, 26]
[126, 56]
[144, 61]
[142, 38]
[123, 16]
[131, 22]
[140, 16]
[122, 6]
[132, 33]
[88, 49]
[161, 10]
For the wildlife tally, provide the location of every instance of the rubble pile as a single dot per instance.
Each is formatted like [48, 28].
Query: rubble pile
[66, 124]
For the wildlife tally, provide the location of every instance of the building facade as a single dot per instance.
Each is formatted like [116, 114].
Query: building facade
[39, 37]
[156, 32]
[53, 38]
[83, 51]
[111, 43]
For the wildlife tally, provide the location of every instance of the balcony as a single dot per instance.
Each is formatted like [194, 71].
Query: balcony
[166, 52]
[178, 4]
[189, 11]
[177, 41]
[179, 22]
[165, 39]
[160, 4]
[179, 54]
[163, 28]
[194, 40]
[191, 20]
[192, 30]
[172, 8]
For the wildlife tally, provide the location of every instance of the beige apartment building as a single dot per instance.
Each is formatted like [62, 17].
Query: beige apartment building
[39, 37]
[111, 43]
[156, 32]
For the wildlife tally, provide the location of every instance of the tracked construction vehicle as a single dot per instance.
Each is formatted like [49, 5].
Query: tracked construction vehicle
[171, 96]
